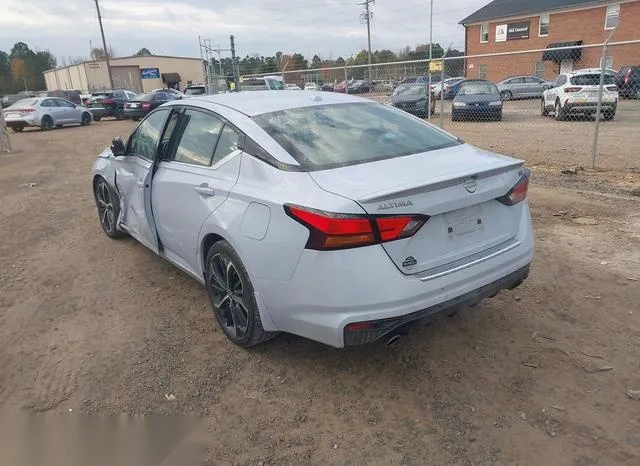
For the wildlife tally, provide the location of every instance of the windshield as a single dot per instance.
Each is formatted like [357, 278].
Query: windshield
[477, 88]
[328, 136]
[274, 84]
[410, 89]
[194, 91]
[25, 103]
[592, 79]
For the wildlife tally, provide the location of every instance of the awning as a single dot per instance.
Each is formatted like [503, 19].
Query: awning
[171, 78]
[564, 53]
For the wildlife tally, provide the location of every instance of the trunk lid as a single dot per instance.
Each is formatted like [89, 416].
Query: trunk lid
[456, 187]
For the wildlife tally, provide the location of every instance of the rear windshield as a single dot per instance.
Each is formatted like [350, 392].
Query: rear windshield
[330, 136]
[591, 79]
[477, 88]
[194, 91]
[143, 97]
[25, 103]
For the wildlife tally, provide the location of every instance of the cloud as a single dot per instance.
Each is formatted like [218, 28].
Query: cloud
[325, 27]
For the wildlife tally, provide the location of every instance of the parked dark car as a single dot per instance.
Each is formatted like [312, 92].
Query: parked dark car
[140, 105]
[628, 82]
[10, 99]
[360, 87]
[109, 104]
[435, 78]
[70, 95]
[412, 98]
[477, 100]
[327, 87]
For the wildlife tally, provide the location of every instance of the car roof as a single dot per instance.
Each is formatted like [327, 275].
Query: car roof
[259, 102]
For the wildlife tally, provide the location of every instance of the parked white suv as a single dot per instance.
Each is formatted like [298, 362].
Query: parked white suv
[311, 87]
[577, 93]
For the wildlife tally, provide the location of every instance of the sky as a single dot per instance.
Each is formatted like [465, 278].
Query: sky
[329, 28]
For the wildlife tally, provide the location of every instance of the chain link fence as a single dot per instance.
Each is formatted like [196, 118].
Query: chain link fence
[538, 107]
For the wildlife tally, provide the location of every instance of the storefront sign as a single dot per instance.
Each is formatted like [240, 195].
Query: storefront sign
[518, 31]
[150, 73]
[512, 31]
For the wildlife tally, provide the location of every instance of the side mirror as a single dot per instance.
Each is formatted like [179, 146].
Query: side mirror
[117, 146]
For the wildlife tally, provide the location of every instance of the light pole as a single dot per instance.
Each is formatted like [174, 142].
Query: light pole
[366, 17]
[104, 45]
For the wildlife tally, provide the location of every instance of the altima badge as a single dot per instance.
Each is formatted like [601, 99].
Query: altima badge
[394, 204]
[470, 185]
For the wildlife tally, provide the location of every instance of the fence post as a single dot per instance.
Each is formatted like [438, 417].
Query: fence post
[346, 80]
[429, 91]
[603, 65]
[442, 94]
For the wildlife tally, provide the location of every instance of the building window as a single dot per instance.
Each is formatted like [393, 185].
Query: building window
[613, 15]
[482, 71]
[608, 62]
[543, 29]
[484, 32]
[539, 71]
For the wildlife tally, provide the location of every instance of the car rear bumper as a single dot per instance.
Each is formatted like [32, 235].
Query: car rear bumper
[135, 112]
[589, 107]
[21, 122]
[332, 289]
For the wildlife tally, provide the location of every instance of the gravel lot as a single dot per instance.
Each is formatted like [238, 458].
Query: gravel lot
[534, 376]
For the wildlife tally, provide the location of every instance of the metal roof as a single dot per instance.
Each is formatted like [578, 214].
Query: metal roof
[506, 8]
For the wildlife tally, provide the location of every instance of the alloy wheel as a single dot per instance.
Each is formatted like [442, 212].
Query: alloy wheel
[227, 295]
[105, 207]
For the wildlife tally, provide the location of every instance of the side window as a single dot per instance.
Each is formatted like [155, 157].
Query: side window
[484, 32]
[119, 95]
[517, 81]
[228, 142]
[198, 139]
[47, 103]
[164, 151]
[63, 103]
[482, 71]
[144, 141]
[532, 80]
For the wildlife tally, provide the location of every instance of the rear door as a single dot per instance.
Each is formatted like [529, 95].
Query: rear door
[534, 86]
[193, 180]
[64, 111]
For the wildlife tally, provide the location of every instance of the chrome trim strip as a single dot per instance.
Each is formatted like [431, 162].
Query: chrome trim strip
[479, 258]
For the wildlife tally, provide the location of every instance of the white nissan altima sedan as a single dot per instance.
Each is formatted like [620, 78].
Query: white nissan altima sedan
[327, 216]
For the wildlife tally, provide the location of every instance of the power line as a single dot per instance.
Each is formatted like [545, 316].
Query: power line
[104, 45]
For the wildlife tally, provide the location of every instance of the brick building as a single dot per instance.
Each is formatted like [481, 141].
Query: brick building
[520, 25]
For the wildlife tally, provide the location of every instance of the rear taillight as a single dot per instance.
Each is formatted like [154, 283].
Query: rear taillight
[519, 192]
[146, 105]
[612, 88]
[339, 231]
[107, 101]
[27, 110]
[573, 89]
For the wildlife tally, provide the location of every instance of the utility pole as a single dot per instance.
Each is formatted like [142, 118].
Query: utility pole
[104, 45]
[366, 18]
[236, 73]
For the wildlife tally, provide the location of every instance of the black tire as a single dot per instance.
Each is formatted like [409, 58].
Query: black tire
[46, 123]
[86, 119]
[499, 117]
[232, 297]
[58, 126]
[96, 118]
[17, 129]
[609, 115]
[108, 205]
[119, 114]
[135, 118]
[506, 95]
[544, 111]
[559, 113]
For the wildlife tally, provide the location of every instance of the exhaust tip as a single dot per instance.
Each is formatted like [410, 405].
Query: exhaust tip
[393, 340]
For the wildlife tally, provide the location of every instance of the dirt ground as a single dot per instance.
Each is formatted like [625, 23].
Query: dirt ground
[536, 376]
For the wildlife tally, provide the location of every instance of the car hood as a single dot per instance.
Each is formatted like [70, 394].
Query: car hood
[477, 98]
[406, 98]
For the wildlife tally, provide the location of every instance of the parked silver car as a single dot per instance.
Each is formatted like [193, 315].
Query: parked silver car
[522, 87]
[45, 112]
[324, 215]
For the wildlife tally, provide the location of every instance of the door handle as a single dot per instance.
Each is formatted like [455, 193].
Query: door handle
[204, 189]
